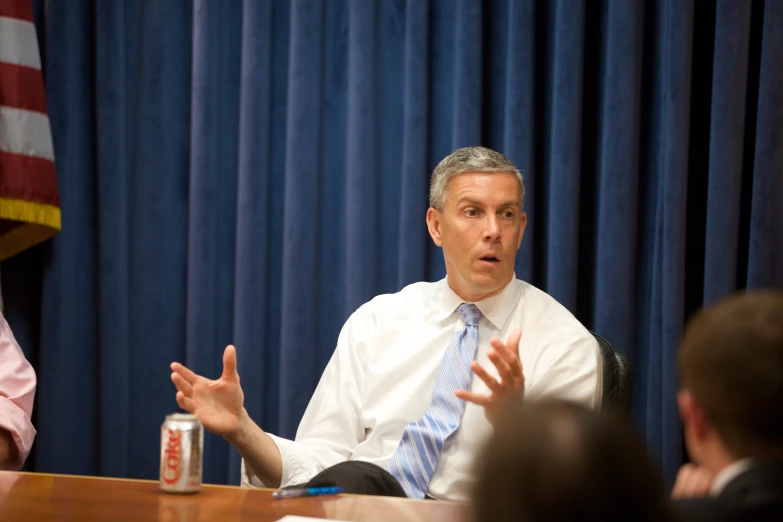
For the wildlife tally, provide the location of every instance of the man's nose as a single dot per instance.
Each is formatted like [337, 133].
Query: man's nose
[492, 230]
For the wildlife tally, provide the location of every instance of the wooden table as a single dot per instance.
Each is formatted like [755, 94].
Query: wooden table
[38, 497]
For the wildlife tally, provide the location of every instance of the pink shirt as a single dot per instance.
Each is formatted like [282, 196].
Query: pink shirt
[17, 390]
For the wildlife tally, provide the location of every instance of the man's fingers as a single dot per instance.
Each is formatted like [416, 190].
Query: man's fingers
[687, 482]
[492, 383]
[229, 368]
[692, 481]
[509, 351]
[506, 348]
[507, 361]
[681, 482]
[182, 385]
[513, 340]
[230, 364]
[702, 481]
[694, 486]
[686, 469]
[501, 350]
[512, 345]
[504, 370]
[475, 398]
[185, 403]
[186, 374]
[498, 345]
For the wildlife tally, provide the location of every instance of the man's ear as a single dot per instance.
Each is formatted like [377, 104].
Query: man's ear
[522, 226]
[433, 225]
[692, 414]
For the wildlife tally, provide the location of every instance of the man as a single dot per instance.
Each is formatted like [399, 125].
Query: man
[17, 391]
[396, 411]
[731, 371]
[553, 460]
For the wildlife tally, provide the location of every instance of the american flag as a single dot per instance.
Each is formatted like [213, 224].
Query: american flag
[29, 197]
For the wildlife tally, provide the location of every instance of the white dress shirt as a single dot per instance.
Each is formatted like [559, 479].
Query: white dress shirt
[727, 474]
[381, 375]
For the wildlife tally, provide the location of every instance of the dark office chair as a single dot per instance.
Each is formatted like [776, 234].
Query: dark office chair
[617, 377]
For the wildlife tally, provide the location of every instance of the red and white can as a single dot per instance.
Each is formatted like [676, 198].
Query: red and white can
[181, 453]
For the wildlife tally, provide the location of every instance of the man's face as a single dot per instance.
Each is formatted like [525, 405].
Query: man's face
[480, 230]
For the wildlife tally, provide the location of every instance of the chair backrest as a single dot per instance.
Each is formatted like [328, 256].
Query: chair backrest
[616, 378]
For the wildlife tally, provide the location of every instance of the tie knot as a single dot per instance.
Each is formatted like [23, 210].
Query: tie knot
[470, 313]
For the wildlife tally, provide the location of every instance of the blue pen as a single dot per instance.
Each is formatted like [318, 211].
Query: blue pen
[306, 492]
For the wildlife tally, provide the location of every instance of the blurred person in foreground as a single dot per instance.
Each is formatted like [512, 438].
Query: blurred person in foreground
[731, 404]
[553, 460]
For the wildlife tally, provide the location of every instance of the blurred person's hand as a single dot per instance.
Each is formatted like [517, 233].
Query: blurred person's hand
[692, 481]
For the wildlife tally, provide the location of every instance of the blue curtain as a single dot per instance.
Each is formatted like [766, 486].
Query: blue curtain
[252, 172]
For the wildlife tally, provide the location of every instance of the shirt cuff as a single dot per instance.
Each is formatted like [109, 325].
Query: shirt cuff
[18, 424]
[297, 465]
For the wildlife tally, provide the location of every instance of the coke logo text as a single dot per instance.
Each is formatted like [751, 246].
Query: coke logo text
[172, 458]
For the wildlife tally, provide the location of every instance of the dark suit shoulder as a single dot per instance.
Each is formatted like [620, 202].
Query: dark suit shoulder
[756, 494]
[727, 510]
[761, 483]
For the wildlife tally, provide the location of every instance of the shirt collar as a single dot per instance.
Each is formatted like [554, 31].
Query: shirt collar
[728, 474]
[496, 308]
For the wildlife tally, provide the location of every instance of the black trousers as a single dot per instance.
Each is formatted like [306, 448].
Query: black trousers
[357, 477]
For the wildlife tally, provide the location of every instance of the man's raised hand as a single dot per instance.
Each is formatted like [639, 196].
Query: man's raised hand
[218, 404]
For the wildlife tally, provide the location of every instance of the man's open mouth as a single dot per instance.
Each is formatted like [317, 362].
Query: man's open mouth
[489, 259]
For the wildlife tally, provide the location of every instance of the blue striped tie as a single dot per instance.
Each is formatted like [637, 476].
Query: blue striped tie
[414, 460]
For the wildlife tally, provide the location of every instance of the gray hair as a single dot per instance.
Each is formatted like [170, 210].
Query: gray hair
[469, 159]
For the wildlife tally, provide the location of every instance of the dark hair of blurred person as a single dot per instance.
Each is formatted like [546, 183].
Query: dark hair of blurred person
[558, 461]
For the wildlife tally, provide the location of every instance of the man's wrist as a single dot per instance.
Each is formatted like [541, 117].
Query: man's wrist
[240, 436]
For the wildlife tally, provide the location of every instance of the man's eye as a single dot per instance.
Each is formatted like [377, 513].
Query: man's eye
[508, 214]
[472, 212]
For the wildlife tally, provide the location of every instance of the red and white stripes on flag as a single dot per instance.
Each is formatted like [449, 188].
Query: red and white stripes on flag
[29, 197]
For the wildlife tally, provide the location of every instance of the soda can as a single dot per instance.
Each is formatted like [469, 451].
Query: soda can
[181, 453]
